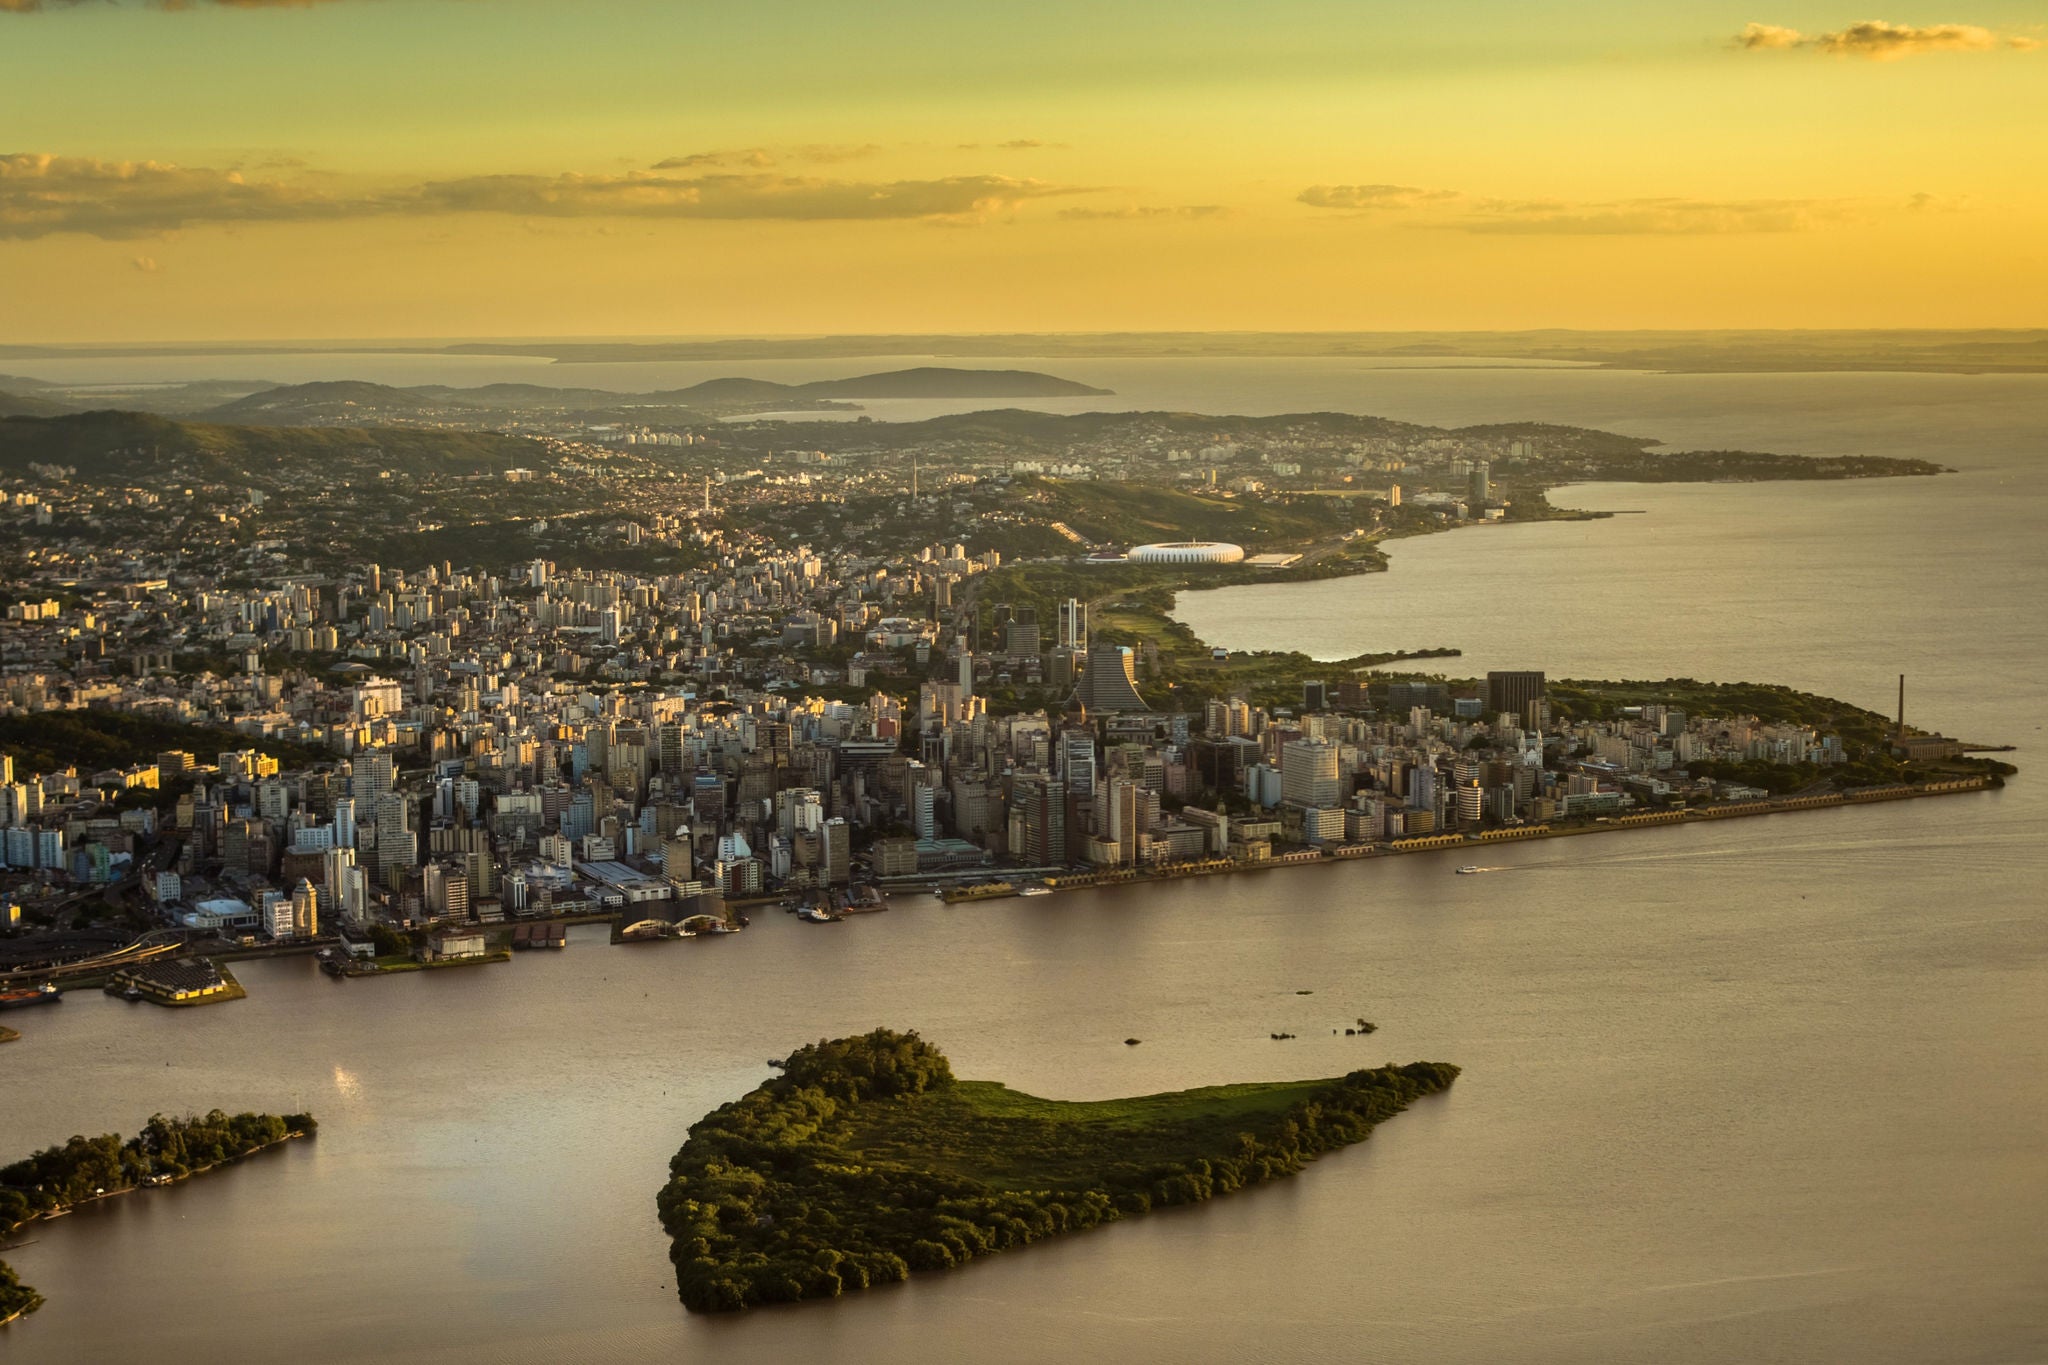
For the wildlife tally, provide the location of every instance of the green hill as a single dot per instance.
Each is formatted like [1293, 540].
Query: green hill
[138, 444]
[866, 1160]
[26, 405]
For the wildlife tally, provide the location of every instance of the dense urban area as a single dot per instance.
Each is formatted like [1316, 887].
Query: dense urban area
[419, 694]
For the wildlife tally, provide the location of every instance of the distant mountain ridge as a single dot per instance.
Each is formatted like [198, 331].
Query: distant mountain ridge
[292, 404]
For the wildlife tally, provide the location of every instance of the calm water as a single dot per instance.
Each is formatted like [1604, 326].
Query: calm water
[1766, 1091]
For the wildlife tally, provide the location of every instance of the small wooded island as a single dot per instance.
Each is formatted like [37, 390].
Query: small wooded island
[58, 1179]
[866, 1160]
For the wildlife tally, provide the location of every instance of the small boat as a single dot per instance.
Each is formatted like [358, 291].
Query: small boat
[817, 914]
[1469, 868]
[1036, 891]
[45, 994]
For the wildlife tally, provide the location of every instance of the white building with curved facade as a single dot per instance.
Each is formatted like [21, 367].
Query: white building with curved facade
[1186, 552]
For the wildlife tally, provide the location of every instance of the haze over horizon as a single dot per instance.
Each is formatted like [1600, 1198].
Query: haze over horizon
[437, 168]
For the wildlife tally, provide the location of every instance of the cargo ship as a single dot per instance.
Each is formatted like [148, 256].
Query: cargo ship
[45, 994]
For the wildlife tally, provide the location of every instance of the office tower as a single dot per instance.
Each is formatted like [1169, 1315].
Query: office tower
[1511, 692]
[1308, 773]
[1110, 681]
[1073, 625]
[838, 852]
[1482, 487]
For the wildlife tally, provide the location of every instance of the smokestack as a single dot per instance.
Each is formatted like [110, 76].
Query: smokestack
[1902, 706]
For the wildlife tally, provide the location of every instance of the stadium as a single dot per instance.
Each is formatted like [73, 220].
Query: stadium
[1186, 552]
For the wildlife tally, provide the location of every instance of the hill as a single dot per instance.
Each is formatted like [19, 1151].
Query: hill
[347, 400]
[296, 404]
[139, 445]
[27, 405]
[867, 1160]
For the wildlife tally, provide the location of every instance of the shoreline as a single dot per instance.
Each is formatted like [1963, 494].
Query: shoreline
[1432, 843]
[165, 1182]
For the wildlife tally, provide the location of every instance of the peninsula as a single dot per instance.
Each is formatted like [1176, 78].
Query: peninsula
[866, 1160]
[56, 1180]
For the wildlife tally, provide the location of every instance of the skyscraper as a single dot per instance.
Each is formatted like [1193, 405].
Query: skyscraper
[1110, 681]
[1512, 692]
[1073, 625]
[1308, 773]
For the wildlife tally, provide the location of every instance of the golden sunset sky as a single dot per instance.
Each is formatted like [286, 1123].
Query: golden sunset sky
[446, 168]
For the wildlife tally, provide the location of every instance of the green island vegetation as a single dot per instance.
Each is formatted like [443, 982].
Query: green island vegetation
[83, 1169]
[16, 1298]
[866, 1160]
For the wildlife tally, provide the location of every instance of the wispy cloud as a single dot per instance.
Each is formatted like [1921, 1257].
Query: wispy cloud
[1140, 212]
[761, 158]
[1366, 197]
[41, 195]
[1015, 144]
[1670, 216]
[730, 196]
[1667, 217]
[1877, 40]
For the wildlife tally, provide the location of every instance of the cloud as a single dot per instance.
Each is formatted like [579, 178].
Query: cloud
[829, 153]
[1666, 217]
[1674, 216]
[1768, 36]
[728, 196]
[763, 158]
[1362, 197]
[41, 195]
[1141, 211]
[1877, 40]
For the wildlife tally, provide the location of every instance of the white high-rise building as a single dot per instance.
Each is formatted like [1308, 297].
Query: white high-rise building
[1308, 773]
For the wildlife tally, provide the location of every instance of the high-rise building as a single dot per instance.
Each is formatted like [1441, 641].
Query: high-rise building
[1308, 773]
[838, 852]
[370, 774]
[1077, 760]
[1481, 491]
[305, 910]
[1073, 625]
[1044, 805]
[1110, 682]
[1511, 692]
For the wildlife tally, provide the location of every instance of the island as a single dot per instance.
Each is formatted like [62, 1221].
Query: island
[866, 1160]
[57, 1180]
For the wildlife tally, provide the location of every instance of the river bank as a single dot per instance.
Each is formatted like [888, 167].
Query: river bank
[1436, 843]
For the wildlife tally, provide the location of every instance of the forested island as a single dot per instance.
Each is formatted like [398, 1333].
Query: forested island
[56, 1179]
[866, 1160]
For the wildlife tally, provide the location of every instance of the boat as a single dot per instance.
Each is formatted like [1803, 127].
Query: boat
[817, 914]
[45, 994]
[1469, 868]
[1036, 891]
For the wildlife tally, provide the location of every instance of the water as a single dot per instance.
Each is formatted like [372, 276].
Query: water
[1768, 1090]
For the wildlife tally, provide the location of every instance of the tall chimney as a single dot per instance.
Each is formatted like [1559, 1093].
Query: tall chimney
[1902, 706]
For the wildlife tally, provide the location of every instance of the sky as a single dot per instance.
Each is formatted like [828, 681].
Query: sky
[250, 169]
